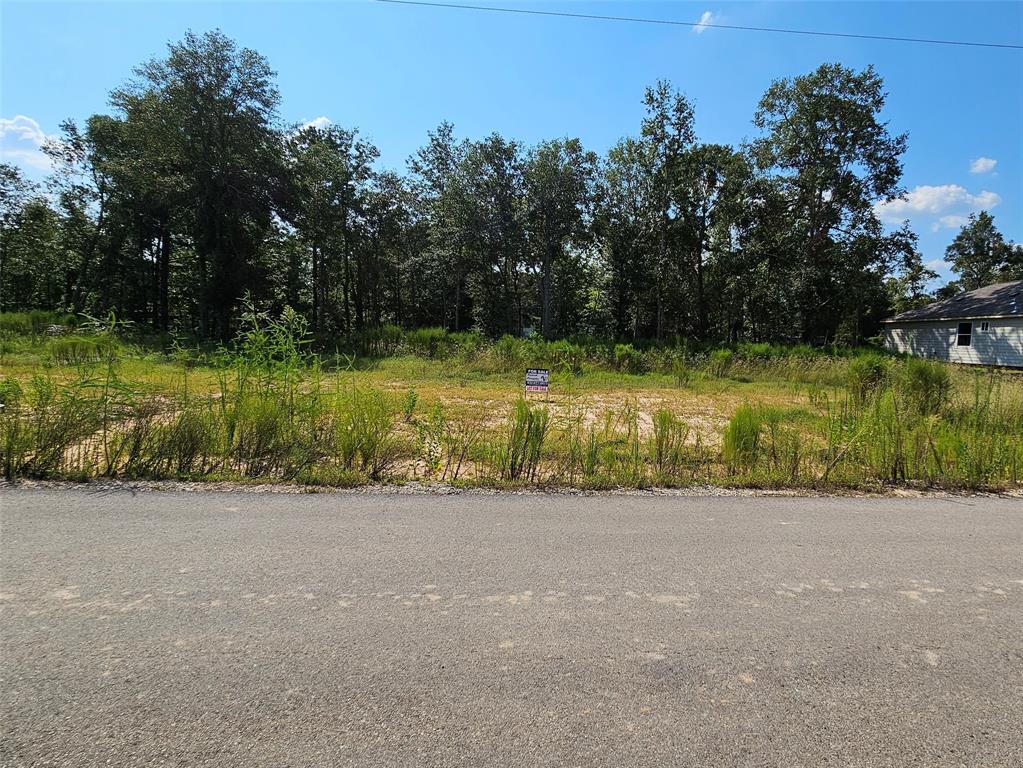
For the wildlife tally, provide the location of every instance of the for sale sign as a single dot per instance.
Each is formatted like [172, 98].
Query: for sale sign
[537, 379]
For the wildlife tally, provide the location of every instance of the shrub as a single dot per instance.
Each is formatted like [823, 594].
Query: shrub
[78, 350]
[719, 362]
[40, 430]
[431, 343]
[10, 393]
[669, 440]
[742, 439]
[760, 351]
[566, 355]
[527, 431]
[378, 342]
[33, 323]
[866, 374]
[927, 385]
[628, 359]
[365, 433]
[468, 343]
[681, 371]
[509, 352]
[191, 443]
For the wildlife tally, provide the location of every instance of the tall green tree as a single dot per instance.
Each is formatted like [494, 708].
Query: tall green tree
[209, 110]
[833, 158]
[667, 134]
[330, 170]
[979, 254]
[558, 177]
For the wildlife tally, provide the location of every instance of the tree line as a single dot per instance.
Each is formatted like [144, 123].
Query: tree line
[192, 194]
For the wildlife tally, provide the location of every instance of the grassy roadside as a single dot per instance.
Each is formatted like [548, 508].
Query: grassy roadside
[448, 408]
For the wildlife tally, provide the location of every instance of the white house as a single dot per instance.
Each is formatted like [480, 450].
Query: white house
[982, 327]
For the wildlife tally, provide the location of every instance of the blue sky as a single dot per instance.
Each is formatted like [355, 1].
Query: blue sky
[395, 72]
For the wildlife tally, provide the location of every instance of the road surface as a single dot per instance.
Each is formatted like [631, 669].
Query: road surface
[239, 629]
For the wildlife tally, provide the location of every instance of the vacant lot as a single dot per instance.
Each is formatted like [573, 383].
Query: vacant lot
[449, 407]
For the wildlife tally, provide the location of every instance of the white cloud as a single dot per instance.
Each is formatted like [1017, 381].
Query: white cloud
[22, 127]
[320, 123]
[983, 165]
[926, 200]
[26, 158]
[949, 222]
[21, 139]
[707, 18]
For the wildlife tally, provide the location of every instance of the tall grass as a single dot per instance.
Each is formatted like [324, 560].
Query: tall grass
[277, 412]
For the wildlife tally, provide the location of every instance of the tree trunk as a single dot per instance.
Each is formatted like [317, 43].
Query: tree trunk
[702, 323]
[164, 278]
[662, 254]
[548, 259]
[316, 288]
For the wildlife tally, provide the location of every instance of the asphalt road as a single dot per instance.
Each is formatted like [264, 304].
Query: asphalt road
[414, 630]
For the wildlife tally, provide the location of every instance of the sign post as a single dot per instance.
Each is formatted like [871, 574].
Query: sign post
[537, 380]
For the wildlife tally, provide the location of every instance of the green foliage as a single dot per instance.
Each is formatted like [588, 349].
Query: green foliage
[858, 418]
[430, 343]
[364, 433]
[682, 372]
[866, 374]
[927, 384]
[79, 350]
[720, 362]
[34, 323]
[408, 404]
[669, 444]
[520, 456]
[742, 439]
[628, 359]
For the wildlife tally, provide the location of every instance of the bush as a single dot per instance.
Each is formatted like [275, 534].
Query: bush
[927, 385]
[365, 433]
[378, 342]
[566, 356]
[670, 434]
[34, 323]
[682, 372]
[761, 351]
[742, 439]
[628, 359]
[720, 361]
[431, 343]
[527, 431]
[78, 350]
[468, 343]
[509, 352]
[866, 374]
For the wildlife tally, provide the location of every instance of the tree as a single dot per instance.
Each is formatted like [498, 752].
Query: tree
[209, 110]
[330, 169]
[487, 207]
[980, 256]
[190, 195]
[833, 159]
[667, 133]
[32, 260]
[558, 180]
[715, 178]
[620, 226]
[15, 192]
[442, 265]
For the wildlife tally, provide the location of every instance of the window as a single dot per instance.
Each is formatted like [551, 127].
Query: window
[984, 326]
[965, 331]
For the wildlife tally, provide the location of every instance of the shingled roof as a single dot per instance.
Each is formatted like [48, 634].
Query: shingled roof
[996, 300]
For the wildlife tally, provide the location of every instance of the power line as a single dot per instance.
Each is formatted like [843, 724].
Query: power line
[670, 22]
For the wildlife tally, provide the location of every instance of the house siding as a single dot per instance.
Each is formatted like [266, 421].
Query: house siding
[1001, 344]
